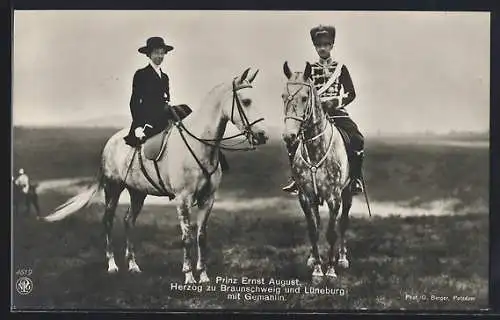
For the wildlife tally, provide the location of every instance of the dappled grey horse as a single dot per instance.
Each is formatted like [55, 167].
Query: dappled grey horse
[188, 169]
[320, 168]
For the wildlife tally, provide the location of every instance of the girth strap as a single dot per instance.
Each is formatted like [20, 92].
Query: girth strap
[161, 188]
[162, 185]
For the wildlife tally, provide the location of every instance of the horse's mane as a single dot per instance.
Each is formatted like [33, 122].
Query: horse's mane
[215, 95]
[215, 88]
[214, 92]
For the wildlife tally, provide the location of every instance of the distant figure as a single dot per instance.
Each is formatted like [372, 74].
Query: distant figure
[336, 91]
[150, 100]
[26, 190]
[23, 181]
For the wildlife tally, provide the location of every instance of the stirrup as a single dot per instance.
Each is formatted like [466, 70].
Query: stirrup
[290, 185]
[291, 188]
[357, 186]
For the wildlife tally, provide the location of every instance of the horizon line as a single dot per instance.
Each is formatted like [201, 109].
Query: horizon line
[366, 133]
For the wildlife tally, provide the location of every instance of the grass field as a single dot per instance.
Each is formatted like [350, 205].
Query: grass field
[392, 258]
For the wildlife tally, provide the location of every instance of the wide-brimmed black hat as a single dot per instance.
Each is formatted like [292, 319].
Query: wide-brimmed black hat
[155, 43]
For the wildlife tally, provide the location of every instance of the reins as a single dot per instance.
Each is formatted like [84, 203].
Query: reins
[208, 142]
[309, 115]
[246, 124]
[213, 142]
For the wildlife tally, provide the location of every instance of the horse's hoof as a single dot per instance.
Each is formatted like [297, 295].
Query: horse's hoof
[331, 273]
[189, 278]
[343, 263]
[133, 267]
[204, 277]
[136, 270]
[112, 267]
[310, 262]
[317, 280]
[317, 272]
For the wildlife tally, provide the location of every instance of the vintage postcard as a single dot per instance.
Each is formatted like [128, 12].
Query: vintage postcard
[250, 160]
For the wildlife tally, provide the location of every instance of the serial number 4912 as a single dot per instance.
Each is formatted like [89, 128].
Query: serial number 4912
[24, 272]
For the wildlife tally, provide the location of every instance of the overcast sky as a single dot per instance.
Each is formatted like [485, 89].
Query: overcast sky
[413, 71]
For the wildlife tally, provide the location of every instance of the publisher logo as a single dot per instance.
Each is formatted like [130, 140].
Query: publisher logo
[24, 285]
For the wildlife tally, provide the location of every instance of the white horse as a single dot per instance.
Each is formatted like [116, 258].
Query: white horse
[187, 169]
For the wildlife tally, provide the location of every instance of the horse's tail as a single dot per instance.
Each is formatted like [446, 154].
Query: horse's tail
[77, 202]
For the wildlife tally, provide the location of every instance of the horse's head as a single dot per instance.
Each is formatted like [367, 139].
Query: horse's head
[299, 98]
[242, 112]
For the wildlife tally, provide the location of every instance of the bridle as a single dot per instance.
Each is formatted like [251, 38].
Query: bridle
[308, 119]
[247, 125]
[309, 113]
[247, 132]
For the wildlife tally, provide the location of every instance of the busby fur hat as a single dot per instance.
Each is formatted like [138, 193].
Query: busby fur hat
[323, 32]
[154, 43]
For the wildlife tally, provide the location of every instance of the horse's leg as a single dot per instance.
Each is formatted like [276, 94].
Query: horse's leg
[203, 215]
[136, 202]
[112, 191]
[343, 262]
[27, 204]
[331, 233]
[313, 229]
[184, 212]
[35, 204]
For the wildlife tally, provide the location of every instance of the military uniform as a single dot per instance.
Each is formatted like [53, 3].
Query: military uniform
[336, 97]
[336, 90]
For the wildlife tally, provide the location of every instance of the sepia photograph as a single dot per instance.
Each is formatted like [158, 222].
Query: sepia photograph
[322, 161]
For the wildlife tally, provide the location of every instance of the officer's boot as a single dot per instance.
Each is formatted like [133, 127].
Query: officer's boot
[291, 185]
[356, 171]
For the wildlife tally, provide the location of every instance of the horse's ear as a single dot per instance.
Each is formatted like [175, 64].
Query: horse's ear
[286, 70]
[244, 75]
[252, 77]
[307, 71]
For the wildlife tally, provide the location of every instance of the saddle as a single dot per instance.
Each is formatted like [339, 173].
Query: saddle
[181, 110]
[347, 142]
[345, 137]
[153, 147]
